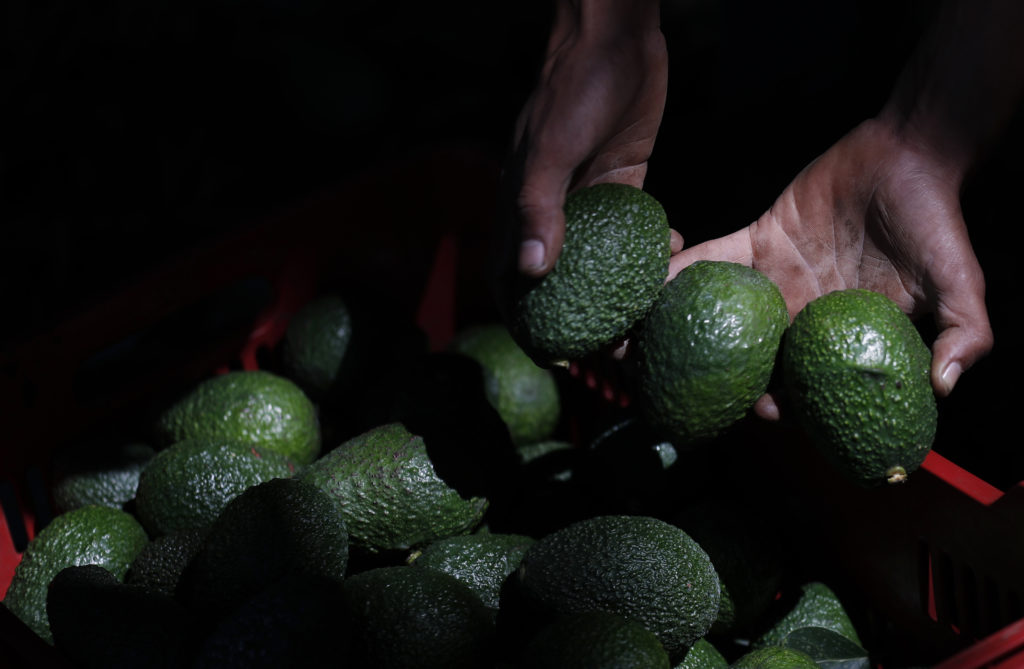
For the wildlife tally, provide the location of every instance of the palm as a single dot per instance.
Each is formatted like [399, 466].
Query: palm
[870, 213]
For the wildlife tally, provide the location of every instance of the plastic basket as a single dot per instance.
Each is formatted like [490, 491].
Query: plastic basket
[935, 562]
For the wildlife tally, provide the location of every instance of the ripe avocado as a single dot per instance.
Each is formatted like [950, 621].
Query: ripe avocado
[636, 566]
[481, 561]
[391, 496]
[187, 485]
[856, 372]
[254, 407]
[595, 640]
[275, 528]
[315, 343]
[99, 535]
[613, 262]
[417, 619]
[707, 348]
[524, 395]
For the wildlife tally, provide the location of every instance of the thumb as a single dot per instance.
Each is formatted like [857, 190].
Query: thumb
[542, 223]
[965, 336]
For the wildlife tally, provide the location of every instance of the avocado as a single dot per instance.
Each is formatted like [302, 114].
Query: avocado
[636, 566]
[315, 343]
[481, 561]
[406, 618]
[101, 623]
[108, 477]
[856, 372]
[159, 565]
[703, 655]
[186, 485]
[816, 606]
[252, 407]
[613, 261]
[272, 529]
[775, 657]
[595, 640]
[707, 349]
[525, 396]
[391, 496]
[99, 535]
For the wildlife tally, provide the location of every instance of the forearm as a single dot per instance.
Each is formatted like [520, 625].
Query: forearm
[963, 82]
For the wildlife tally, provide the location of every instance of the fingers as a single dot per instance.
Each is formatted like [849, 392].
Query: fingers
[735, 247]
[965, 336]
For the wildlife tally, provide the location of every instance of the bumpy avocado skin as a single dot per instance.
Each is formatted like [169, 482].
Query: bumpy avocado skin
[775, 657]
[636, 566]
[708, 347]
[253, 407]
[613, 261]
[481, 561]
[93, 534]
[817, 606]
[187, 485]
[391, 495]
[856, 370]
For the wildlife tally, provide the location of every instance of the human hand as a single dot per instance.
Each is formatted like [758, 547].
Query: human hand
[593, 117]
[877, 211]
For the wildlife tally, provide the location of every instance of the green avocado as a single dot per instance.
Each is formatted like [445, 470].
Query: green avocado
[272, 529]
[102, 476]
[707, 349]
[524, 395]
[703, 655]
[481, 561]
[315, 343]
[613, 261]
[391, 495]
[636, 566]
[856, 372]
[775, 657]
[406, 618]
[816, 606]
[252, 407]
[187, 485]
[96, 535]
[595, 640]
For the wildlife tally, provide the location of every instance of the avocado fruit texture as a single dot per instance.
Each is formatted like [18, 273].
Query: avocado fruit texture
[612, 264]
[856, 372]
[707, 349]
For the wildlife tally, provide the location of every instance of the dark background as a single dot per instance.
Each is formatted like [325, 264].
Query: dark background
[135, 130]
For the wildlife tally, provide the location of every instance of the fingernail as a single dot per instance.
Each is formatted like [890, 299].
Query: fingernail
[531, 255]
[949, 376]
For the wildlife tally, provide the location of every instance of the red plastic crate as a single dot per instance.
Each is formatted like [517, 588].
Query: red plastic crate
[936, 561]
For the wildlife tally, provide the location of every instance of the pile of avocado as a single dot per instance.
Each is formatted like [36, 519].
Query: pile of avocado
[404, 507]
